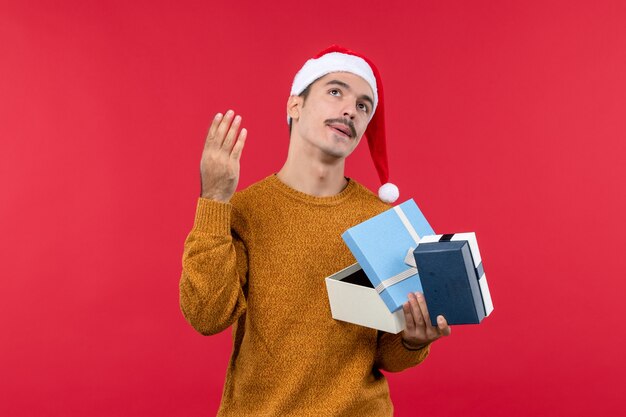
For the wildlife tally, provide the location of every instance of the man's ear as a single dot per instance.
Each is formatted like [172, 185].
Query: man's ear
[294, 104]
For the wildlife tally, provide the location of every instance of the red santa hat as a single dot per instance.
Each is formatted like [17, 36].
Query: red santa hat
[338, 59]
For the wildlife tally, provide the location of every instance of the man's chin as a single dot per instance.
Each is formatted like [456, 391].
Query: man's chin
[336, 147]
[338, 152]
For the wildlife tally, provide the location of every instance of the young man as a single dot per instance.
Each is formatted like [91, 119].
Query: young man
[257, 259]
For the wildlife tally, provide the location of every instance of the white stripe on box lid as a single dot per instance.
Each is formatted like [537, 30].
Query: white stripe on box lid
[386, 283]
[395, 279]
[407, 225]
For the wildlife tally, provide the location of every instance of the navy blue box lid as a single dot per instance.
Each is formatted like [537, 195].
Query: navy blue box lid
[449, 281]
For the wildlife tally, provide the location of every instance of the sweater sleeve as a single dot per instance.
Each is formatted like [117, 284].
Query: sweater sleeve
[392, 356]
[214, 271]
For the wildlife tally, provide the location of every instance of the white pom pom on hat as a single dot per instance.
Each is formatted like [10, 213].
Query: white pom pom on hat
[336, 58]
[388, 192]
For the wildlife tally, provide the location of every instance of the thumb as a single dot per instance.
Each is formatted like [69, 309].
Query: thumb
[442, 324]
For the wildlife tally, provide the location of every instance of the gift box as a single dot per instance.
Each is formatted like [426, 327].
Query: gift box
[353, 299]
[453, 278]
[380, 246]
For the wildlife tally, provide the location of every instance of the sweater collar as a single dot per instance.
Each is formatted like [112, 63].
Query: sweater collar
[311, 199]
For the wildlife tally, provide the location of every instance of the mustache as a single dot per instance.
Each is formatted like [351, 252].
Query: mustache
[347, 122]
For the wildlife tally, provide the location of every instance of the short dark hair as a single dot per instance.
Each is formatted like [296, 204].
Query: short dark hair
[304, 94]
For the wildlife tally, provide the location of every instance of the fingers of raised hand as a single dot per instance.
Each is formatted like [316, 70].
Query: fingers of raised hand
[236, 152]
[211, 137]
[223, 128]
[223, 131]
[231, 135]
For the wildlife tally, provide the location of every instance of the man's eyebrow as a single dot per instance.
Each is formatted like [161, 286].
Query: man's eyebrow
[347, 87]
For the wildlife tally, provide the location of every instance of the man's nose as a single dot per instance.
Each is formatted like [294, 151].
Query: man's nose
[349, 111]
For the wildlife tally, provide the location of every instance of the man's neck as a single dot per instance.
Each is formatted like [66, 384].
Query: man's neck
[313, 175]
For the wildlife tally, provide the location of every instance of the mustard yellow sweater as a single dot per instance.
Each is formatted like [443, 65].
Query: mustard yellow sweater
[259, 263]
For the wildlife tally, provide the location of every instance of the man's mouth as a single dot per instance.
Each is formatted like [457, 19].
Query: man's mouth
[341, 128]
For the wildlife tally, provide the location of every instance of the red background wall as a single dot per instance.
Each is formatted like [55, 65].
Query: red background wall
[505, 118]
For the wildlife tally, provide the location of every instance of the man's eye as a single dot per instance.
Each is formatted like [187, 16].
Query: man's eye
[334, 92]
[363, 107]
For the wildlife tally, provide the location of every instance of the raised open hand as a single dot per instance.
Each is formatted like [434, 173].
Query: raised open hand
[219, 166]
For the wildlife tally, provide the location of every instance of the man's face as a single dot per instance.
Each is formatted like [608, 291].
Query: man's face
[335, 114]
